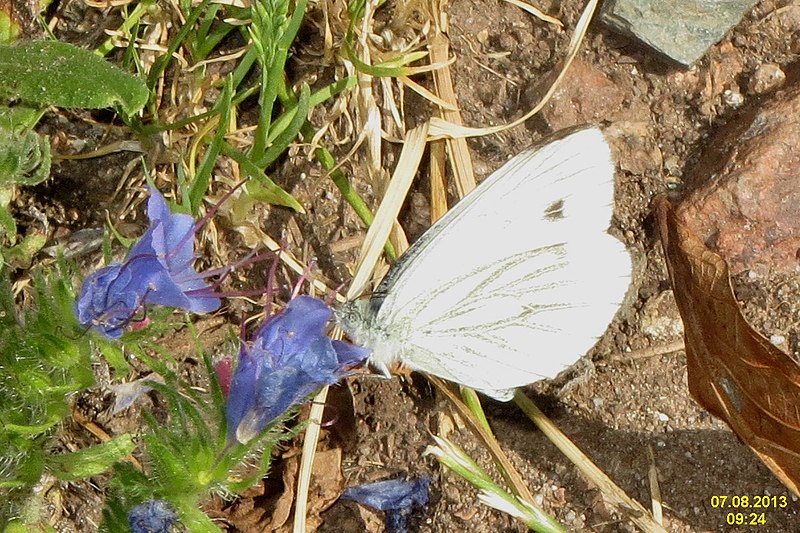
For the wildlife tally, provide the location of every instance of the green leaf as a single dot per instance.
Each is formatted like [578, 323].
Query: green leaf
[33, 430]
[20, 117]
[24, 158]
[61, 74]
[196, 520]
[203, 175]
[187, 28]
[129, 25]
[287, 131]
[260, 187]
[9, 29]
[21, 254]
[91, 461]
[8, 225]
[114, 355]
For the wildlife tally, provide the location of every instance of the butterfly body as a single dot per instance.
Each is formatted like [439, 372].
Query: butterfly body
[514, 283]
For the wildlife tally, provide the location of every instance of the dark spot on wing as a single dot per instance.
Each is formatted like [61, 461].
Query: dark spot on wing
[555, 211]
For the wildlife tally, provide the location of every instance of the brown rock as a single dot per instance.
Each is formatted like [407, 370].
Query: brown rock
[585, 95]
[745, 199]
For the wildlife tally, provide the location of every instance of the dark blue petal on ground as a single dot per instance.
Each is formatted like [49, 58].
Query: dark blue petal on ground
[396, 497]
[154, 516]
[391, 494]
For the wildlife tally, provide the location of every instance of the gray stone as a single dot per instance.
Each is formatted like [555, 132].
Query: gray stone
[682, 30]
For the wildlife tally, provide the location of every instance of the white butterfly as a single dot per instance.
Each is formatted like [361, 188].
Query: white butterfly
[513, 284]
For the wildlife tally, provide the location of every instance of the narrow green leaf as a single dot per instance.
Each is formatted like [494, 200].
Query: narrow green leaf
[186, 28]
[127, 26]
[196, 520]
[288, 132]
[33, 430]
[9, 29]
[203, 175]
[114, 355]
[275, 43]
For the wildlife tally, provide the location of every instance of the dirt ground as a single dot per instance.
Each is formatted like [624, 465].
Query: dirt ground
[625, 403]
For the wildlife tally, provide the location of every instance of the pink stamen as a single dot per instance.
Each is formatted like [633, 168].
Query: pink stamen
[211, 212]
[226, 271]
[303, 277]
[273, 271]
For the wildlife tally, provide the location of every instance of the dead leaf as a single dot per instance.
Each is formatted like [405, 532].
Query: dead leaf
[268, 506]
[327, 483]
[734, 372]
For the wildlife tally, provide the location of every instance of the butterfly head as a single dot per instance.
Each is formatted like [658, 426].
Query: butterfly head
[358, 319]
[355, 318]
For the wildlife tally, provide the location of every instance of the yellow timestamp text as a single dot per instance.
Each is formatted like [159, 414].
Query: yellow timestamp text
[754, 502]
[745, 519]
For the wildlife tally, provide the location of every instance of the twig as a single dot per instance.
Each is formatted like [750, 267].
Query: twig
[615, 495]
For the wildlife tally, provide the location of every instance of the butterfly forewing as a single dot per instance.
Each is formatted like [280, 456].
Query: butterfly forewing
[518, 280]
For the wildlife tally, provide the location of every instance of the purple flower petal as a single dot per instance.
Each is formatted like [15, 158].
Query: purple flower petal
[299, 324]
[170, 238]
[158, 270]
[288, 360]
[241, 394]
[112, 296]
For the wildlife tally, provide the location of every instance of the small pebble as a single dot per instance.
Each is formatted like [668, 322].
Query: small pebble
[777, 340]
[766, 78]
[733, 98]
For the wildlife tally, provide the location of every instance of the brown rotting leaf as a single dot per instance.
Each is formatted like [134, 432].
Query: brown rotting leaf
[734, 372]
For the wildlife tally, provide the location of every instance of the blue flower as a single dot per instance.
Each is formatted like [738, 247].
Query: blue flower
[396, 497]
[289, 358]
[154, 516]
[158, 270]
